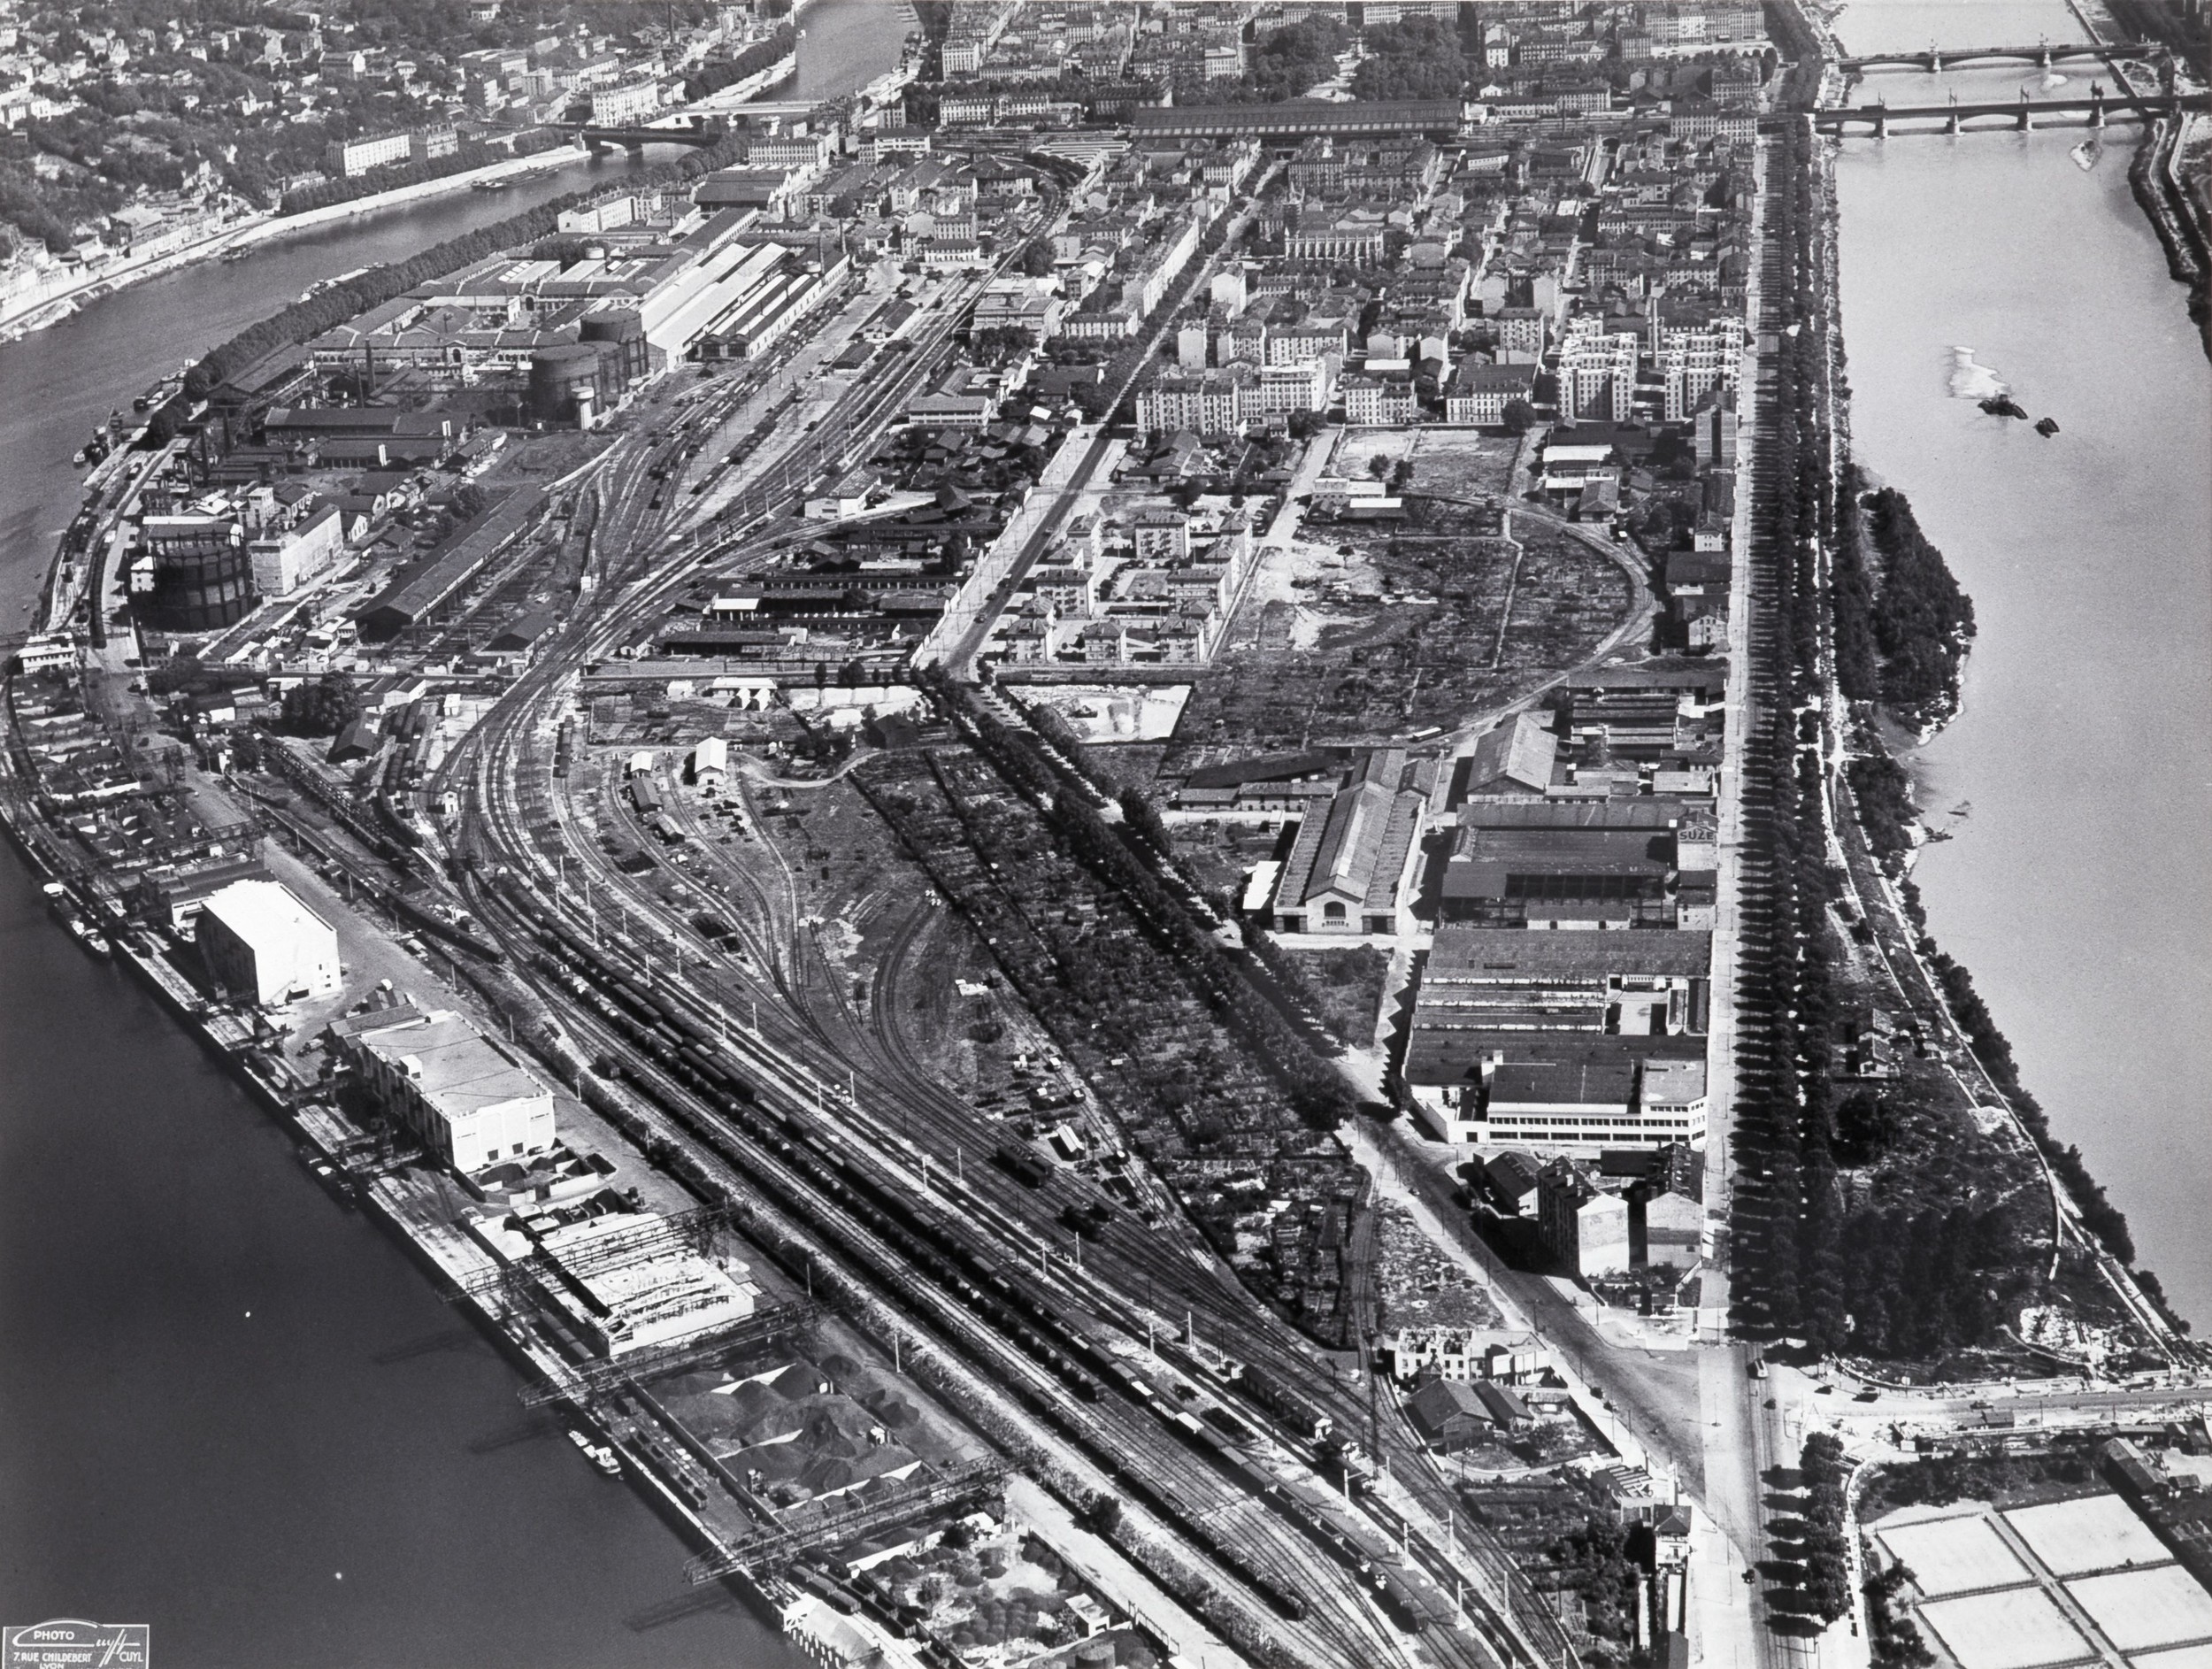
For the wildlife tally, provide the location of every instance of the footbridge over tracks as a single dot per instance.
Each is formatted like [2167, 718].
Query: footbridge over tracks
[2009, 115]
[2043, 54]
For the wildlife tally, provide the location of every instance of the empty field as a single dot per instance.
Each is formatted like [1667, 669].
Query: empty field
[2161, 1607]
[2019, 1628]
[2100, 1532]
[1956, 1556]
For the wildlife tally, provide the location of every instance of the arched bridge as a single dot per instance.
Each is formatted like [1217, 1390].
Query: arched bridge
[2019, 114]
[1935, 60]
[693, 131]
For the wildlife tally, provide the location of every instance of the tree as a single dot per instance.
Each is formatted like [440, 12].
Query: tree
[1518, 415]
[1379, 466]
[323, 708]
[1036, 261]
[1144, 820]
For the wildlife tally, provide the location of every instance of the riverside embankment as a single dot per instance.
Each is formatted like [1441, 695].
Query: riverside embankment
[2078, 776]
[228, 1408]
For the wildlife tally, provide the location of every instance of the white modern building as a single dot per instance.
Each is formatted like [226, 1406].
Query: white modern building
[463, 1095]
[263, 945]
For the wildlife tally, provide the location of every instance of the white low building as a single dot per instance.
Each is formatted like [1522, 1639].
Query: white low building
[263, 945]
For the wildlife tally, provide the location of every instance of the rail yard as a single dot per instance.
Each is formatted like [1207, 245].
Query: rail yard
[1091, 860]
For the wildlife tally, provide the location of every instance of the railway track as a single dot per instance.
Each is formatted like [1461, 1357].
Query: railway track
[812, 1032]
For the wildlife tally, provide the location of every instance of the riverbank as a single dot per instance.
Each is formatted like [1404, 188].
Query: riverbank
[1924, 275]
[2153, 176]
[21, 316]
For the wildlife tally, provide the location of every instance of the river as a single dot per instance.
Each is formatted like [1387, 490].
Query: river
[2076, 888]
[228, 1408]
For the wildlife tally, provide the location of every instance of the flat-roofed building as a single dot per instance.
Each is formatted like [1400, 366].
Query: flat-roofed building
[1564, 1094]
[1582, 1225]
[468, 1100]
[263, 945]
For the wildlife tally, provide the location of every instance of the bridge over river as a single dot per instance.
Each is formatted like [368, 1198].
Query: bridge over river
[2013, 115]
[2043, 54]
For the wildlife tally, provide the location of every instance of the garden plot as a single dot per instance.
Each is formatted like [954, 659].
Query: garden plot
[2179, 1658]
[2141, 1608]
[2099, 1533]
[1364, 631]
[2018, 1628]
[1955, 1555]
[1460, 464]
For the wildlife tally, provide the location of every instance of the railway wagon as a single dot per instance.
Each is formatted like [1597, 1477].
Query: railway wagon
[1273, 1397]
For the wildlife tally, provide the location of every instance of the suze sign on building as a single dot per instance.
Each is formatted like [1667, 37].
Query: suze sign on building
[66, 1645]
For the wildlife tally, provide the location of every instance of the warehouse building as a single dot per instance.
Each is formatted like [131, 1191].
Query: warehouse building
[469, 1101]
[1349, 866]
[262, 945]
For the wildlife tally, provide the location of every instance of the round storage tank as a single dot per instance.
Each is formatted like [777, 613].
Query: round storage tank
[570, 378]
[202, 582]
[622, 328]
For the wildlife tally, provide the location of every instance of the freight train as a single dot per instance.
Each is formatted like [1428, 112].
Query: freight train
[942, 1249]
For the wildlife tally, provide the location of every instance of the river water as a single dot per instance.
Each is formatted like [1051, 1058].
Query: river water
[229, 1409]
[2076, 888]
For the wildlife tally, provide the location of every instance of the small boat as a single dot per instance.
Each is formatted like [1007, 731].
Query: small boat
[2086, 154]
[489, 185]
[2003, 405]
[78, 457]
[88, 935]
[235, 255]
[599, 1454]
[2047, 426]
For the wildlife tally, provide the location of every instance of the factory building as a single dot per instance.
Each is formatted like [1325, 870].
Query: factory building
[461, 1093]
[1348, 864]
[262, 945]
[284, 562]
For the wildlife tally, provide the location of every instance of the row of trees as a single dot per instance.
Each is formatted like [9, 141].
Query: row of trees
[1922, 1268]
[1816, 1259]
[1827, 1556]
[469, 154]
[717, 73]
